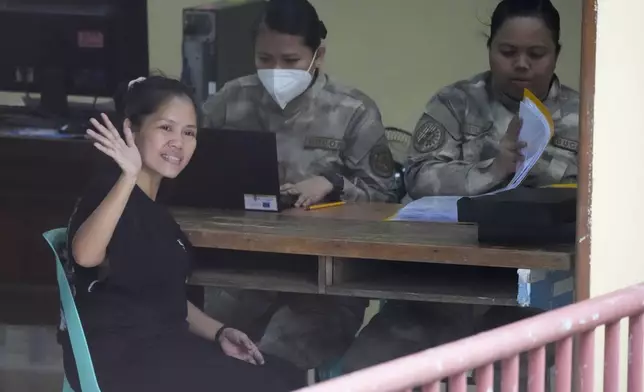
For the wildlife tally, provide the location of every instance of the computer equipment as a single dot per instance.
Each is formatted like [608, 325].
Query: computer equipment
[20, 117]
[218, 43]
[230, 169]
[523, 216]
[71, 47]
[76, 127]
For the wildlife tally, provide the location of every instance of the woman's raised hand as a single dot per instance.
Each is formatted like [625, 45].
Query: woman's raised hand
[124, 152]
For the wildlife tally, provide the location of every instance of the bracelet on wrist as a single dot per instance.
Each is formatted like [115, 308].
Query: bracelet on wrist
[219, 332]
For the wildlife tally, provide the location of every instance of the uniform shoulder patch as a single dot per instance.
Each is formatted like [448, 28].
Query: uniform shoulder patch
[429, 136]
[381, 161]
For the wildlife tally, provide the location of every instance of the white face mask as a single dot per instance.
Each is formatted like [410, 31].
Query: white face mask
[284, 85]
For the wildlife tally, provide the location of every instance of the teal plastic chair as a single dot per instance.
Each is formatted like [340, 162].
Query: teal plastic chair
[57, 240]
[334, 368]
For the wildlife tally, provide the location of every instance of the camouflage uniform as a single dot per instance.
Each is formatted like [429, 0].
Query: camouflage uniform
[328, 129]
[451, 152]
[458, 136]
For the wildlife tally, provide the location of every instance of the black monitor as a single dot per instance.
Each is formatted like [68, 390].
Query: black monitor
[71, 47]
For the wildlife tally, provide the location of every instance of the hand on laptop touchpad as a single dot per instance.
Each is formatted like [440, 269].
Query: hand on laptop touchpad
[288, 201]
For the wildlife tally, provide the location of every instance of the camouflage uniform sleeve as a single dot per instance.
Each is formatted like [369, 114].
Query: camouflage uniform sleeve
[435, 165]
[567, 139]
[558, 163]
[214, 109]
[369, 164]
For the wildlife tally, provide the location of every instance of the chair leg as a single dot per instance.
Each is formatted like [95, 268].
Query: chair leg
[66, 386]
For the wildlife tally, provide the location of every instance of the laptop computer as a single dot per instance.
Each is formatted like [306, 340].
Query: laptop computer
[230, 169]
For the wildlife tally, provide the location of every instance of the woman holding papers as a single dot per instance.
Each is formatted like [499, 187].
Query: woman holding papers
[331, 145]
[466, 140]
[466, 143]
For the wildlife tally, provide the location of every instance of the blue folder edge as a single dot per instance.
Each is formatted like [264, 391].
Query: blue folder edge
[546, 290]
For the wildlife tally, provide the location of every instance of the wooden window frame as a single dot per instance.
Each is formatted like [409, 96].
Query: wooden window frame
[585, 153]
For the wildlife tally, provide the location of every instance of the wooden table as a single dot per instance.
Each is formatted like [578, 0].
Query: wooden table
[353, 251]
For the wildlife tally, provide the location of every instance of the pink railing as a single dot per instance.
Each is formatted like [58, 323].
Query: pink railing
[505, 344]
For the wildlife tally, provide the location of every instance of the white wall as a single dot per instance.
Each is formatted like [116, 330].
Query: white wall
[617, 208]
[398, 51]
[401, 52]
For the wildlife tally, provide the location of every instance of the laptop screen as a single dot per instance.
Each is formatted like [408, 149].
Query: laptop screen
[230, 169]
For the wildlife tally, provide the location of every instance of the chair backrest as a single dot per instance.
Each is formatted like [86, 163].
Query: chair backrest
[57, 239]
[399, 141]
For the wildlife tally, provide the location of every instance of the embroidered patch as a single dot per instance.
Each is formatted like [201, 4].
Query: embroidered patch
[566, 144]
[429, 137]
[382, 161]
[324, 143]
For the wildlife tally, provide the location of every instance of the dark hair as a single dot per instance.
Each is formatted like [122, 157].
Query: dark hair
[295, 17]
[145, 97]
[542, 9]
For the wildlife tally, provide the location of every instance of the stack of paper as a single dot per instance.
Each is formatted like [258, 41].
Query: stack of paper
[536, 131]
[430, 209]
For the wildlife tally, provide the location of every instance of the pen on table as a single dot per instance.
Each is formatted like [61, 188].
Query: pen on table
[326, 205]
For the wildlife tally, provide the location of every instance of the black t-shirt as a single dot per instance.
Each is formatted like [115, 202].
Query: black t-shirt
[133, 308]
[140, 287]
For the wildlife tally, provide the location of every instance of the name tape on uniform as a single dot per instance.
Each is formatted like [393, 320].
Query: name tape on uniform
[325, 143]
[565, 144]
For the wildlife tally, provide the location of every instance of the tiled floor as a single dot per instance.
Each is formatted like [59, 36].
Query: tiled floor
[30, 359]
[22, 381]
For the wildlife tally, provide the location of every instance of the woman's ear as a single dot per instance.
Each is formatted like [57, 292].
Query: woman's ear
[127, 124]
[319, 58]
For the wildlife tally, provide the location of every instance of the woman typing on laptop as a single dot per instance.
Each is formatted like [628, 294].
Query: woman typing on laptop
[331, 141]
[331, 146]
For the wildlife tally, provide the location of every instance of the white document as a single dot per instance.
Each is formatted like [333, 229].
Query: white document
[536, 131]
[430, 209]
